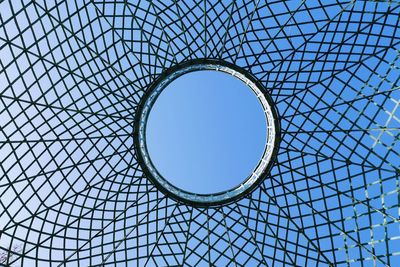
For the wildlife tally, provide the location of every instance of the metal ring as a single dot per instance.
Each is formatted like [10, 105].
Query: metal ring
[250, 182]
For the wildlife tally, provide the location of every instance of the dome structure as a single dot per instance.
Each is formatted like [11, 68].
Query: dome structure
[75, 192]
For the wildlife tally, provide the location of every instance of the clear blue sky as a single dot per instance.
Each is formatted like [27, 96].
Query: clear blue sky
[206, 132]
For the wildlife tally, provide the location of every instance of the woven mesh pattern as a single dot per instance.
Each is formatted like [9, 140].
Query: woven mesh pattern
[72, 74]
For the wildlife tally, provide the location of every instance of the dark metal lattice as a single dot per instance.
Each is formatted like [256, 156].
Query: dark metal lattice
[73, 72]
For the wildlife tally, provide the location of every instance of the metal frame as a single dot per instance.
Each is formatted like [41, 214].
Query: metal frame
[72, 74]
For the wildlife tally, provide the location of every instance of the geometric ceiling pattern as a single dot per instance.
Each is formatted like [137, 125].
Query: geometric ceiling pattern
[73, 72]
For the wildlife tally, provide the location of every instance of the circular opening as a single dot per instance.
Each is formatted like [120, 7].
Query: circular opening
[206, 132]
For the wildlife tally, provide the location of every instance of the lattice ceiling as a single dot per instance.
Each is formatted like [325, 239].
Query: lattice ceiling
[73, 72]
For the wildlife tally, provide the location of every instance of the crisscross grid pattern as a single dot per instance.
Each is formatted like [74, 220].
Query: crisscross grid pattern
[72, 73]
